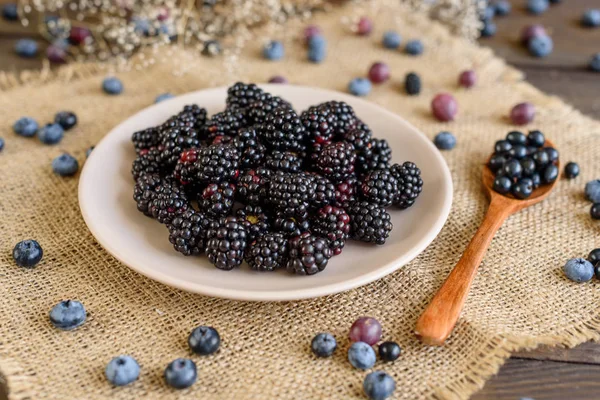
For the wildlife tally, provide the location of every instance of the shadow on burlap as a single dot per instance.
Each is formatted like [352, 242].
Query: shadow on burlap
[519, 299]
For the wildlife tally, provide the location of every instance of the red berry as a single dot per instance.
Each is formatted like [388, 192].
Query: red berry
[163, 14]
[522, 113]
[310, 31]
[379, 72]
[444, 107]
[365, 26]
[79, 34]
[56, 54]
[532, 31]
[278, 79]
[467, 78]
[365, 329]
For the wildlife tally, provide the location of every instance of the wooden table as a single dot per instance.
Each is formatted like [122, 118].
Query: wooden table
[544, 373]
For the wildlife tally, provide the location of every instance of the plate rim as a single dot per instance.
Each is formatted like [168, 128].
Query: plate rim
[278, 295]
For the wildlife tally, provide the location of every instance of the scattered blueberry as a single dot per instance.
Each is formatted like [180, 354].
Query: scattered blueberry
[592, 191]
[594, 257]
[502, 184]
[67, 315]
[323, 345]
[379, 72]
[503, 7]
[591, 18]
[65, 165]
[444, 107]
[359, 86]
[532, 31]
[112, 85]
[278, 79]
[595, 62]
[51, 133]
[571, 170]
[211, 48]
[489, 28]
[26, 48]
[537, 7]
[10, 12]
[122, 370]
[523, 188]
[310, 31]
[389, 351]
[488, 13]
[66, 119]
[163, 97]
[361, 355]
[273, 50]
[364, 26]
[1, 144]
[579, 270]
[595, 211]
[541, 46]
[392, 40]
[89, 151]
[317, 48]
[378, 385]
[522, 113]
[25, 126]
[550, 174]
[444, 141]
[467, 79]
[141, 25]
[414, 48]
[181, 373]
[204, 340]
[27, 253]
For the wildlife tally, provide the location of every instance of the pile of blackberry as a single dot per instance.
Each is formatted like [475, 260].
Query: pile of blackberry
[522, 163]
[259, 182]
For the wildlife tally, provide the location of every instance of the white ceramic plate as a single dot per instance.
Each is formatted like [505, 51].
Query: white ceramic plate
[105, 198]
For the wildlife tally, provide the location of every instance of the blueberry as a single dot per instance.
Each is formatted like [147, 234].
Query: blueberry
[51, 133]
[550, 174]
[489, 28]
[26, 48]
[594, 257]
[317, 55]
[595, 211]
[528, 166]
[512, 169]
[537, 180]
[518, 151]
[141, 25]
[541, 158]
[204, 340]
[163, 97]
[444, 141]
[27, 253]
[65, 165]
[502, 146]
[392, 40]
[523, 188]
[323, 345]
[112, 85]
[489, 13]
[25, 126]
[10, 12]
[67, 315]
[592, 191]
[502, 184]
[1, 144]
[496, 162]
[181, 373]
[552, 154]
[361, 355]
[516, 137]
[389, 351]
[122, 370]
[89, 151]
[537, 7]
[66, 119]
[359, 86]
[540, 46]
[378, 385]
[591, 18]
[536, 138]
[273, 50]
[579, 270]
[414, 48]
[503, 7]
[595, 62]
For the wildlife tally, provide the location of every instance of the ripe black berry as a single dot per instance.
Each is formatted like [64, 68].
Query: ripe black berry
[379, 187]
[319, 124]
[345, 192]
[145, 139]
[389, 351]
[268, 252]
[516, 138]
[345, 118]
[412, 84]
[410, 184]
[334, 224]
[185, 169]
[217, 163]
[571, 170]
[549, 174]
[368, 222]
[251, 185]
[226, 244]
[148, 162]
[324, 192]
[174, 141]
[254, 219]
[336, 161]
[225, 123]
[241, 95]
[502, 184]
[284, 161]
[536, 139]
[187, 232]
[144, 191]
[360, 137]
[264, 105]
[377, 156]
[283, 130]
[251, 150]
[308, 254]
[169, 200]
[217, 199]
[523, 188]
[291, 193]
[290, 226]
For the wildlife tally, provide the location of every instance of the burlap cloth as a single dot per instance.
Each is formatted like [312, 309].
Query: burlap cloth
[519, 299]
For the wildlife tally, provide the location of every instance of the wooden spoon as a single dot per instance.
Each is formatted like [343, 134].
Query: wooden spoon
[437, 321]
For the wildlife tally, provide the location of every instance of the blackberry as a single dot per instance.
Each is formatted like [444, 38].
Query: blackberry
[217, 199]
[226, 244]
[345, 191]
[410, 184]
[336, 161]
[268, 252]
[145, 139]
[379, 187]
[412, 84]
[254, 219]
[291, 193]
[217, 163]
[143, 191]
[264, 105]
[378, 156]
[241, 95]
[345, 118]
[308, 254]
[185, 169]
[360, 137]
[174, 141]
[334, 224]
[320, 124]
[283, 161]
[251, 151]
[168, 202]
[187, 232]
[225, 123]
[194, 115]
[283, 131]
[368, 222]
[147, 162]
[290, 226]
[324, 191]
[251, 185]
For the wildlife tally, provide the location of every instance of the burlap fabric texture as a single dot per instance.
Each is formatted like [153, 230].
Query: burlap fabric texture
[519, 299]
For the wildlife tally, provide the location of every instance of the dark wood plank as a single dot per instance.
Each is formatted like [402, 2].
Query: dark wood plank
[586, 353]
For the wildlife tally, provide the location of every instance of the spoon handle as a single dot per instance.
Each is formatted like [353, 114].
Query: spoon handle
[437, 321]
